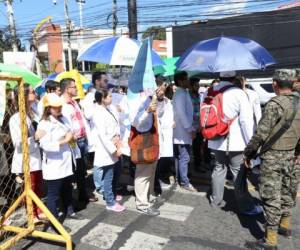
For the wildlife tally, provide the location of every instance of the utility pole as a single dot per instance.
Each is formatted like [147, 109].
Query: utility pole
[114, 15]
[12, 24]
[68, 24]
[132, 18]
[80, 4]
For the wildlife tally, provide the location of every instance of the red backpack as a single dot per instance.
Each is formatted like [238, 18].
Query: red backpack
[213, 123]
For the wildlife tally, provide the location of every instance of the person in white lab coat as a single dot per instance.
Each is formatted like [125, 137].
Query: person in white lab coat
[59, 153]
[228, 150]
[165, 124]
[51, 86]
[99, 81]
[253, 98]
[184, 130]
[107, 147]
[80, 129]
[34, 150]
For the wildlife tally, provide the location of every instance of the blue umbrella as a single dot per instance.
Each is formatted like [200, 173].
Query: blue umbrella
[115, 51]
[225, 54]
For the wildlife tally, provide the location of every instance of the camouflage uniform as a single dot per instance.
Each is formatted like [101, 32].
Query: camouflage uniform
[296, 169]
[277, 184]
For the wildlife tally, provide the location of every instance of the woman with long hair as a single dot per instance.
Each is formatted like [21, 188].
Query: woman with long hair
[59, 153]
[107, 148]
[34, 151]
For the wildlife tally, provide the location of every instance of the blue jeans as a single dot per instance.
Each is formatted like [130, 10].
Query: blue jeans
[98, 178]
[60, 189]
[108, 175]
[80, 170]
[182, 159]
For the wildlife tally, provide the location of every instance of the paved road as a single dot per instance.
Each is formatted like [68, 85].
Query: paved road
[186, 222]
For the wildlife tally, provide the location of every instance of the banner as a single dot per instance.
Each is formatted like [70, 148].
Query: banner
[23, 59]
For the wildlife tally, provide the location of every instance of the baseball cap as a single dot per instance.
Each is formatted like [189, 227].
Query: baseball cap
[52, 100]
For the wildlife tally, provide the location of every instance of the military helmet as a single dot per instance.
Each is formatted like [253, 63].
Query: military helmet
[285, 74]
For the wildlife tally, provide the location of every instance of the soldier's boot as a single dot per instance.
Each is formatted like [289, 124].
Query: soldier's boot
[268, 243]
[285, 227]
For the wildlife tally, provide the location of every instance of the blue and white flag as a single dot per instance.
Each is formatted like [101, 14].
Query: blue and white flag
[142, 80]
[141, 83]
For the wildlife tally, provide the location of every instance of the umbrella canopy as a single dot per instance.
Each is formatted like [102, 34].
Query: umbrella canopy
[15, 70]
[225, 54]
[115, 51]
[168, 69]
[79, 80]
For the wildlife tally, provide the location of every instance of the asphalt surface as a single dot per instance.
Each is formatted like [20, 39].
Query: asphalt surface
[187, 221]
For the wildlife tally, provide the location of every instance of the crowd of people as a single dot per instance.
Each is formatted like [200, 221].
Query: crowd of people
[66, 134]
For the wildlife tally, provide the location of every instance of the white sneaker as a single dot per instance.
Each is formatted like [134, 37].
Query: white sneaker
[164, 186]
[130, 188]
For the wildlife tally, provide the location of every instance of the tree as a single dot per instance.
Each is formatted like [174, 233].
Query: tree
[6, 42]
[157, 32]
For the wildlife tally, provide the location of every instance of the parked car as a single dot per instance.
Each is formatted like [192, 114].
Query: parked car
[263, 87]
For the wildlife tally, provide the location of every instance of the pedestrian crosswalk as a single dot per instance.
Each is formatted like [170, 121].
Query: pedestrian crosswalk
[167, 210]
[186, 219]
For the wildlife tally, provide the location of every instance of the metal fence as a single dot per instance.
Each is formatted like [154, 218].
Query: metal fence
[17, 200]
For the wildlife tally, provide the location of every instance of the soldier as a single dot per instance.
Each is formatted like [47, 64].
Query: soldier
[296, 170]
[277, 158]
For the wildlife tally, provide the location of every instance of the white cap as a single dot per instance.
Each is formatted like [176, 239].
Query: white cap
[52, 100]
[228, 74]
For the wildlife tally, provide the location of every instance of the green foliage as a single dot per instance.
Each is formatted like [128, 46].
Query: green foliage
[6, 42]
[100, 66]
[44, 69]
[157, 32]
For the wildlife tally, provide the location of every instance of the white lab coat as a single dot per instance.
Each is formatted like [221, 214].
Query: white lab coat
[125, 126]
[235, 105]
[88, 107]
[255, 104]
[183, 116]
[165, 127]
[57, 159]
[40, 106]
[34, 150]
[107, 126]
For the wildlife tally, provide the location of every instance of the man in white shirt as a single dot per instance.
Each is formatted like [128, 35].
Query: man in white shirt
[228, 150]
[183, 131]
[72, 112]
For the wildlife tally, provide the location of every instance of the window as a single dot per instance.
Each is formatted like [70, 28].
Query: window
[267, 87]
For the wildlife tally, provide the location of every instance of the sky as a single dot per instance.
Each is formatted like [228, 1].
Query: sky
[150, 12]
